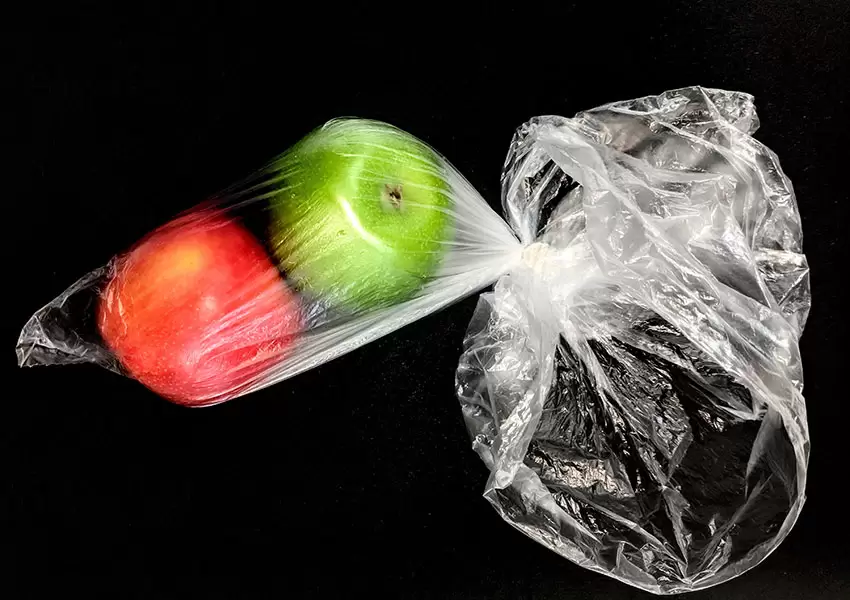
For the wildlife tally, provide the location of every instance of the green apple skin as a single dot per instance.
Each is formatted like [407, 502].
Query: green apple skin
[365, 216]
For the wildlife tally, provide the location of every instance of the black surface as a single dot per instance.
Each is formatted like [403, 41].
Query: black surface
[355, 478]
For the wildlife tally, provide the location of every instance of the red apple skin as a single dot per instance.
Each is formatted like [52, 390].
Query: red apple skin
[197, 310]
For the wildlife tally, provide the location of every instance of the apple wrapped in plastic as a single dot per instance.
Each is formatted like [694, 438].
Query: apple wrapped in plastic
[365, 216]
[197, 310]
[356, 231]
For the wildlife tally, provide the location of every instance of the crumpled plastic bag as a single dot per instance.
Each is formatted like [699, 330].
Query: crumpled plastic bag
[633, 381]
[634, 386]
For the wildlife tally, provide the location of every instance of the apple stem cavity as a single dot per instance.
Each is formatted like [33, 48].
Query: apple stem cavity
[393, 196]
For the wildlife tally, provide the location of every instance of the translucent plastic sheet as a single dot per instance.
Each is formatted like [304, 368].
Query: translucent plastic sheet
[357, 230]
[634, 386]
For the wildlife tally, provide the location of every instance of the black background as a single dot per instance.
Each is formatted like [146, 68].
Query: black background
[356, 478]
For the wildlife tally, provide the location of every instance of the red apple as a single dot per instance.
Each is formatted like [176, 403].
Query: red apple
[196, 311]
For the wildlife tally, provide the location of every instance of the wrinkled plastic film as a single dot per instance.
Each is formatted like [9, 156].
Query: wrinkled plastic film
[357, 230]
[634, 386]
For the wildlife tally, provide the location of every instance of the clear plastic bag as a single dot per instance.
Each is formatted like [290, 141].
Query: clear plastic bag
[633, 381]
[635, 385]
[357, 230]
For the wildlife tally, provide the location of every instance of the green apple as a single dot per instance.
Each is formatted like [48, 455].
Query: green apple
[364, 216]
